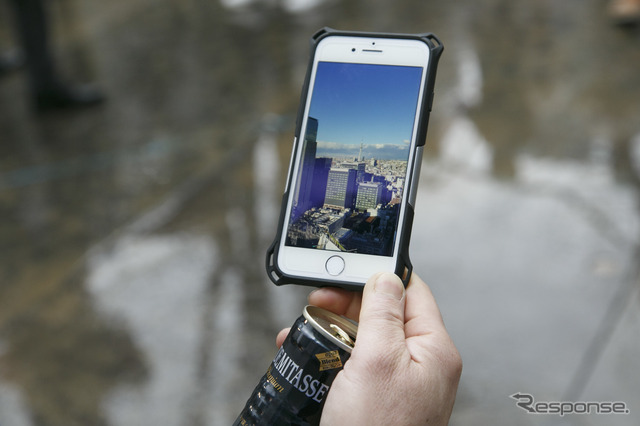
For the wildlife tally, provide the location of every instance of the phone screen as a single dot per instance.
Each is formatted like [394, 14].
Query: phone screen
[355, 153]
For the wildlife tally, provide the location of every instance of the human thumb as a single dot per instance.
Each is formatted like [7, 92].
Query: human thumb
[381, 322]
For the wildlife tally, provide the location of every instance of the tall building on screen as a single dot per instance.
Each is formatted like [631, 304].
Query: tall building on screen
[341, 188]
[369, 195]
[304, 187]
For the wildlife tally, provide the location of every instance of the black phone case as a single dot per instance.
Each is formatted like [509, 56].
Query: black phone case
[403, 267]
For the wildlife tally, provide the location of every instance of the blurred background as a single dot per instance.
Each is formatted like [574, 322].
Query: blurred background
[133, 232]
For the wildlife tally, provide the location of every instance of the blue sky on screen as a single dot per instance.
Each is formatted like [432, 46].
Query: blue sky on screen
[363, 103]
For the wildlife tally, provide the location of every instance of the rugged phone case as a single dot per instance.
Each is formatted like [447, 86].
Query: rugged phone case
[403, 265]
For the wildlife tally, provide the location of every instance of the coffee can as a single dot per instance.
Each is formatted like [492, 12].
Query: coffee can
[296, 384]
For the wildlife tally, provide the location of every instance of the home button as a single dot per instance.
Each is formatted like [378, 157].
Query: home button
[335, 265]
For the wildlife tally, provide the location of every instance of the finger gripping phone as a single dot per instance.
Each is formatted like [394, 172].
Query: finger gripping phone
[348, 205]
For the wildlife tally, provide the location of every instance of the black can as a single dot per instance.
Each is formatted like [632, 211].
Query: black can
[294, 389]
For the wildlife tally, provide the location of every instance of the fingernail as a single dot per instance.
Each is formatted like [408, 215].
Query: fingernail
[389, 284]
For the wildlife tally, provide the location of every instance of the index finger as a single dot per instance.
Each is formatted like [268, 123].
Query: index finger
[339, 301]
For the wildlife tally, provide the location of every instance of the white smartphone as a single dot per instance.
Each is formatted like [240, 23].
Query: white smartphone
[354, 168]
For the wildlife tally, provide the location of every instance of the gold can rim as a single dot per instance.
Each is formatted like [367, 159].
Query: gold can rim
[336, 328]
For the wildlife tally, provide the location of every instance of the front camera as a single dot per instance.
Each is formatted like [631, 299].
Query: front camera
[353, 49]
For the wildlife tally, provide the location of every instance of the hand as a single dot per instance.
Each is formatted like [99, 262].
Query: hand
[404, 369]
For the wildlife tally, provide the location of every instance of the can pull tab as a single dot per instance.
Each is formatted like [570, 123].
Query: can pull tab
[342, 335]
